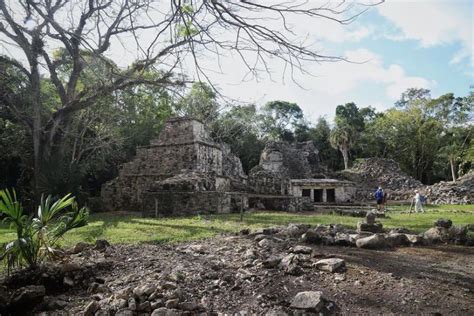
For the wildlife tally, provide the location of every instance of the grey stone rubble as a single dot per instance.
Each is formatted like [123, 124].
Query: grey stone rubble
[287, 250]
[459, 192]
[370, 173]
[370, 224]
[311, 301]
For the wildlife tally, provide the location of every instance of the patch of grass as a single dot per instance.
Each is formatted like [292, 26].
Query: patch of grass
[131, 229]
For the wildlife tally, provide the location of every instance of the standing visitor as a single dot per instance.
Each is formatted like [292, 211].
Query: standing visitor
[379, 195]
[418, 202]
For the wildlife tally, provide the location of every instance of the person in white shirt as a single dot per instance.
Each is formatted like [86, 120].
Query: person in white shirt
[418, 203]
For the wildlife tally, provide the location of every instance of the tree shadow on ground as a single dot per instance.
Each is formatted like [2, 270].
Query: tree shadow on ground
[414, 264]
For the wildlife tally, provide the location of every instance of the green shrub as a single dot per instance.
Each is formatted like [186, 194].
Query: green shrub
[37, 234]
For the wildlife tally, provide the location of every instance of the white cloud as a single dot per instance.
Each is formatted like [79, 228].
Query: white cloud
[433, 22]
[343, 77]
[333, 84]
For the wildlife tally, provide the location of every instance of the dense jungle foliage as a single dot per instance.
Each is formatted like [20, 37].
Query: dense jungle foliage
[431, 138]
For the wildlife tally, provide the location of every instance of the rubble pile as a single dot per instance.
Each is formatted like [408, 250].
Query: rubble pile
[285, 270]
[373, 172]
[37, 289]
[459, 192]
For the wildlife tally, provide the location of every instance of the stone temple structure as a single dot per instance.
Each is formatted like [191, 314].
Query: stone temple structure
[182, 172]
[290, 177]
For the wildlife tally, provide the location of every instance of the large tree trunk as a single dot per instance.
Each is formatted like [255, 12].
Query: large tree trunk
[345, 156]
[37, 128]
[452, 162]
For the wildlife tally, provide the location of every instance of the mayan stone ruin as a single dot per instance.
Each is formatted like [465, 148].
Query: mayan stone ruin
[295, 171]
[183, 171]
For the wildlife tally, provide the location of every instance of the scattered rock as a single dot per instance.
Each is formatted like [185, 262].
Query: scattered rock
[91, 308]
[68, 281]
[265, 243]
[173, 303]
[144, 307]
[302, 250]
[458, 233]
[271, 262]
[366, 227]
[125, 312]
[311, 237]
[330, 264]
[101, 244]
[311, 301]
[414, 239]
[445, 223]
[80, 247]
[370, 217]
[436, 234]
[397, 239]
[376, 241]
[163, 311]
[70, 267]
[27, 297]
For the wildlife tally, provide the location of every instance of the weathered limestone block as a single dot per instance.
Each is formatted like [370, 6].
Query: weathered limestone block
[330, 264]
[373, 228]
[376, 241]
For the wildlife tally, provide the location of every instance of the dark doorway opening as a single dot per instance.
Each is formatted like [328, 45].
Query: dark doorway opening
[330, 195]
[318, 195]
[306, 192]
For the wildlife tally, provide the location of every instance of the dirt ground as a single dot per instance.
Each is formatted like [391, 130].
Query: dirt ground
[226, 274]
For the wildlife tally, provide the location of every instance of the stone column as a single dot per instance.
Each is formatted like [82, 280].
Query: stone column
[311, 194]
[325, 195]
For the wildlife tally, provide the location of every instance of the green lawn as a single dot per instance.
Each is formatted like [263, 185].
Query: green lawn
[134, 229]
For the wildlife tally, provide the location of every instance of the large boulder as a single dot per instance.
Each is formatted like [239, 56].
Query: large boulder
[397, 239]
[442, 222]
[376, 241]
[310, 301]
[436, 234]
[458, 233]
[312, 236]
[414, 239]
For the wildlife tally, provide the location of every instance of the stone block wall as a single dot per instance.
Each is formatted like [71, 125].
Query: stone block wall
[281, 203]
[267, 182]
[182, 159]
[280, 162]
[163, 203]
[344, 191]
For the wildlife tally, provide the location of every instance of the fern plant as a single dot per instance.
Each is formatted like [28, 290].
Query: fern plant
[37, 235]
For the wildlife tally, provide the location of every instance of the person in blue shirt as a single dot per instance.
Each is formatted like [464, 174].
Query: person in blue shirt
[379, 198]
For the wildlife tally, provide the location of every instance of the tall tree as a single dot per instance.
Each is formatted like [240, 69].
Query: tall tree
[280, 118]
[163, 34]
[349, 122]
[199, 103]
[320, 135]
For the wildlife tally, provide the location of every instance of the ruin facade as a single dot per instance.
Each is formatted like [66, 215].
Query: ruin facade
[290, 177]
[183, 171]
[324, 190]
